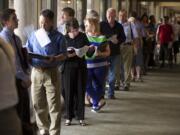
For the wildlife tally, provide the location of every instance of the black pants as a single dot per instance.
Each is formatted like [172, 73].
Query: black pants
[23, 108]
[74, 83]
[165, 53]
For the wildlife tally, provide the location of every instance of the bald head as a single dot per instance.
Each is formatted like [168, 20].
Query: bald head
[111, 15]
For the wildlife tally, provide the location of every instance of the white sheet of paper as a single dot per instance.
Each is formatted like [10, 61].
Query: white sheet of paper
[42, 37]
[81, 51]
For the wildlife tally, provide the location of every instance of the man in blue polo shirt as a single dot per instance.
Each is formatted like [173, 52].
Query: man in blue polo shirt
[45, 76]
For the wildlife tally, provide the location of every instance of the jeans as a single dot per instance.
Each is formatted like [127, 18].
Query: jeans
[95, 83]
[114, 60]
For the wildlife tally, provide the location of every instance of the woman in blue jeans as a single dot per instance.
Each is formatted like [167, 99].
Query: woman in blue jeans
[97, 64]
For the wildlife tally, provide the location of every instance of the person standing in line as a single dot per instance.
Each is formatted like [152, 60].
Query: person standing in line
[67, 14]
[10, 123]
[165, 37]
[74, 74]
[23, 82]
[176, 42]
[45, 87]
[98, 65]
[115, 33]
[127, 48]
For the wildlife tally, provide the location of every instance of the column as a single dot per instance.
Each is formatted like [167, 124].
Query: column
[118, 7]
[138, 8]
[53, 7]
[23, 11]
[161, 12]
[84, 10]
[157, 10]
[4, 4]
[103, 8]
[127, 2]
[151, 8]
[165, 11]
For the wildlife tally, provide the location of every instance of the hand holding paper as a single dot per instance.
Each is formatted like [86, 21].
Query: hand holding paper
[79, 52]
[113, 39]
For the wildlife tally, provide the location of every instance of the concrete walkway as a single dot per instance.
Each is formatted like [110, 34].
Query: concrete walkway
[150, 108]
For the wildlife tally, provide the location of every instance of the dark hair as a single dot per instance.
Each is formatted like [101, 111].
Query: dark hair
[144, 15]
[69, 10]
[5, 16]
[72, 24]
[151, 17]
[134, 14]
[166, 17]
[47, 13]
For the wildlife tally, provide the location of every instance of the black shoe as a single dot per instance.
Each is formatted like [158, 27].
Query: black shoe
[116, 88]
[126, 88]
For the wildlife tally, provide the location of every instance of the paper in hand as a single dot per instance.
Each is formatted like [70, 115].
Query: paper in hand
[42, 37]
[80, 52]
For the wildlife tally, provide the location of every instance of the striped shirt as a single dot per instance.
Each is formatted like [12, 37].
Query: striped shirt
[100, 61]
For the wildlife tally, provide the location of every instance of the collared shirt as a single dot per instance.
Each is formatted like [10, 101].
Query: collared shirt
[109, 31]
[62, 29]
[8, 92]
[55, 47]
[130, 31]
[165, 32]
[79, 41]
[7, 35]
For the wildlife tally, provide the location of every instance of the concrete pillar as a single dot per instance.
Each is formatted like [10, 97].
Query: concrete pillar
[119, 4]
[151, 8]
[23, 11]
[103, 8]
[157, 10]
[4, 4]
[165, 11]
[138, 8]
[127, 3]
[84, 10]
[161, 12]
[53, 6]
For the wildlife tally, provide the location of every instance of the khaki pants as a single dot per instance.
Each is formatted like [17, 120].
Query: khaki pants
[127, 59]
[46, 99]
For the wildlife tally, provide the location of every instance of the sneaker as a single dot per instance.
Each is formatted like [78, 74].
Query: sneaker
[95, 109]
[67, 122]
[126, 88]
[43, 132]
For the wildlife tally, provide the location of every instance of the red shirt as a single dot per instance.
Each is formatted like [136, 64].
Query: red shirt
[165, 33]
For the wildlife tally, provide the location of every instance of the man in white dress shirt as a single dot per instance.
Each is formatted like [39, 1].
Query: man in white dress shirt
[127, 47]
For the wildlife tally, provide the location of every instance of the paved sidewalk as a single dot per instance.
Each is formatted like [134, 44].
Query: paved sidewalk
[149, 108]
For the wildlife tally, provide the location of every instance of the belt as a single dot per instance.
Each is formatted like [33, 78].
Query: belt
[45, 68]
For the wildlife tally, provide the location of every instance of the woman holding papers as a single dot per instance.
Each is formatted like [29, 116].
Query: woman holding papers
[97, 64]
[74, 73]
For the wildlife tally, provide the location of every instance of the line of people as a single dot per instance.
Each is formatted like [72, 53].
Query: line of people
[112, 52]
